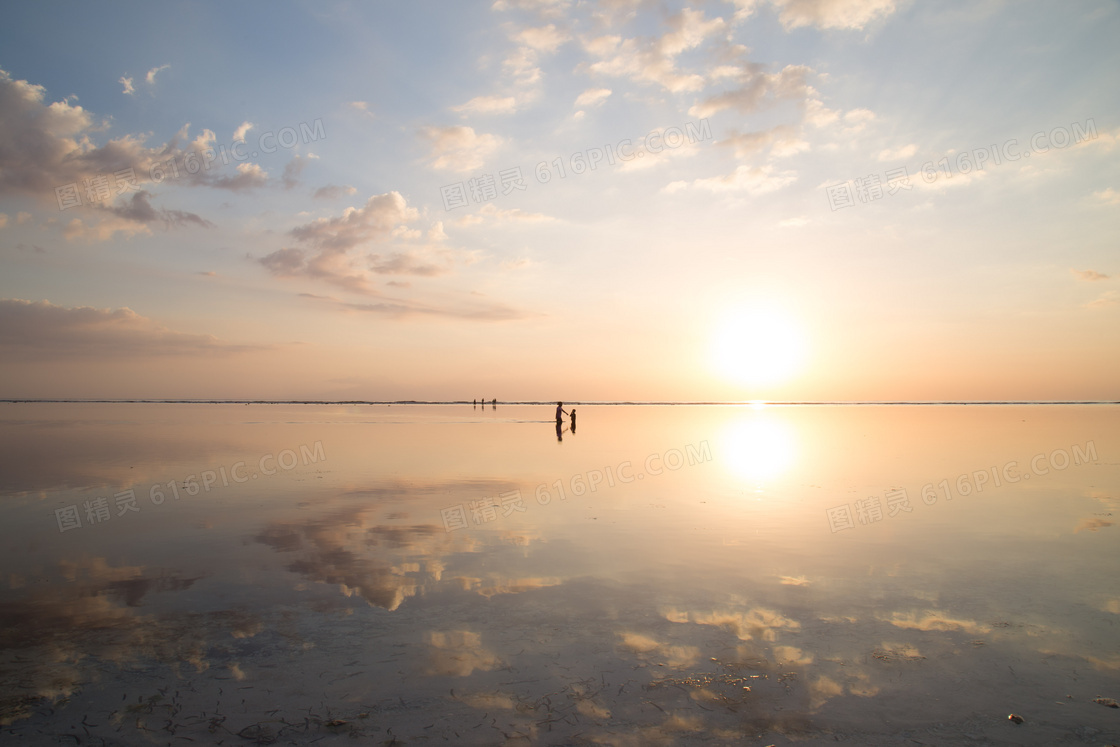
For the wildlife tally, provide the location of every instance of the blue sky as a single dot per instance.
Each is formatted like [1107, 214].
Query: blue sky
[794, 229]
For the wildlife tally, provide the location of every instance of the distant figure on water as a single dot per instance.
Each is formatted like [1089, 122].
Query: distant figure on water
[560, 411]
[572, 414]
[493, 404]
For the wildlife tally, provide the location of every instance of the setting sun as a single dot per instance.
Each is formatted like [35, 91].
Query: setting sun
[758, 346]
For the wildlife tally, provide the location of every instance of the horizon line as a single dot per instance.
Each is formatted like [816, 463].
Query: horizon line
[213, 401]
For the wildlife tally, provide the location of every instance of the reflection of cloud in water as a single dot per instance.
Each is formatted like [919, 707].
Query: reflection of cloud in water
[85, 613]
[383, 563]
[457, 653]
[494, 586]
[933, 620]
[758, 623]
[674, 656]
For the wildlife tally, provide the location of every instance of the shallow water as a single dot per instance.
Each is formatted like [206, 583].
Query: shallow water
[663, 575]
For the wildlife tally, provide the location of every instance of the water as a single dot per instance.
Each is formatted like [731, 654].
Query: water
[663, 575]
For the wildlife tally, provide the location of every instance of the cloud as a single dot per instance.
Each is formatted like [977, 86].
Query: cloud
[496, 216]
[47, 146]
[542, 39]
[376, 219]
[248, 176]
[242, 130]
[40, 329]
[489, 105]
[782, 140]
[459, 148]
[757, 89]
[1111, 298]
[151, 76]
[831, 14]
[127, 83]
[139, 210]
[592, 97]
[292, 171]
[755, 180]
[654, 59]
[1089, 275]
[1108, 196]
[545, 8]
[383, 218]
[898, 154]
[333, 191]
[3, 220]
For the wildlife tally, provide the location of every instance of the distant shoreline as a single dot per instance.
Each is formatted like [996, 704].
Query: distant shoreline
[553, 402]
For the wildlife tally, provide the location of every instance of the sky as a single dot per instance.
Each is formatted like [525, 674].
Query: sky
[787, 200]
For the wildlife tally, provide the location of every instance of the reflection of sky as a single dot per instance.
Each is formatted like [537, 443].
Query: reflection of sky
[669, 588]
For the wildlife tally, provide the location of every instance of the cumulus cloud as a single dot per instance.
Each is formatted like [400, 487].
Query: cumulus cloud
[46, 146]
[127, 83]
[654, 59]
[458, 148]
[376, 219]
[40, 329]
[330, 240]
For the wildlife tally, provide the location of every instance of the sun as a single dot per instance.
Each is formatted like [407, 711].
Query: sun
[758, 346]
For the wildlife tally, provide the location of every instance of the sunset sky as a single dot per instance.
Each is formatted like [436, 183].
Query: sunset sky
[789, 200]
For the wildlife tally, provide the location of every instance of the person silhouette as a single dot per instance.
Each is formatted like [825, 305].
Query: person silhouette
[572, 414]
[560, 411]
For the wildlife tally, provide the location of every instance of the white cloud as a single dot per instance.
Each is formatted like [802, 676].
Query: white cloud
[831, 14]
[126, 81]
[242, 130]
[1108, 196]
[754, 180]
[654, 60]
[151, 76]
[592, 97]
[459, 148]
[543, 39]
[757, 89]
[489, 105]
[495, 216]
[898, 154]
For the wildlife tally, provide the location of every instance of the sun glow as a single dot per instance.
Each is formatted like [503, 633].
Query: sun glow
[758, 448]
[758, 346]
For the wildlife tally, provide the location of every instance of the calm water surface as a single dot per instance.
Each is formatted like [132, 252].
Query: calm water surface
[663, 575]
